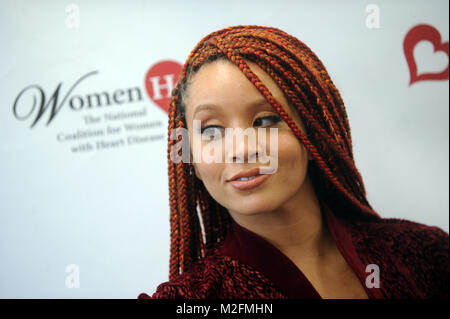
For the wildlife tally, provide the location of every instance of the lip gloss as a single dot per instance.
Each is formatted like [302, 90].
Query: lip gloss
[255, 182]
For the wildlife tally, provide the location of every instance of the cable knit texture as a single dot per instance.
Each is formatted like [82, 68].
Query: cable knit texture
[217, 277]
[412, 257]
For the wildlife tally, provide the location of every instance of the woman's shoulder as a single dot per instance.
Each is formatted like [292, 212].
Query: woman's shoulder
[413, 256]
[216, 276]
[403, 231]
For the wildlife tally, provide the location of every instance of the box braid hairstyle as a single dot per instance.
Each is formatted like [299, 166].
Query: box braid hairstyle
[197, 221]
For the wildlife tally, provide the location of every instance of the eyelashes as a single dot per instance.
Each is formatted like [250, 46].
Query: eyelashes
[273, 118]
[212, 130]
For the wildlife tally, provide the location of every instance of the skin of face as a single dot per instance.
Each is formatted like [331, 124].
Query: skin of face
[222, 84]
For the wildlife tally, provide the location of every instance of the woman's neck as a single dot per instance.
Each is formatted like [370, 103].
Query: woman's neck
[297, 228]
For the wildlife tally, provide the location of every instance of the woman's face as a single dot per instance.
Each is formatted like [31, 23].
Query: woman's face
[235, 103]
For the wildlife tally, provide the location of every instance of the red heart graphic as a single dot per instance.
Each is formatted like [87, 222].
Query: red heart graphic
[160, 79]
[419, 33]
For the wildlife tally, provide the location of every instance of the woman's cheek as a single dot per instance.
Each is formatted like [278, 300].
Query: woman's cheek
[210, 174]
[291, 151]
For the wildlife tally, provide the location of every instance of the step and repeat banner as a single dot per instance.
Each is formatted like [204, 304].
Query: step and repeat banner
[84, 95]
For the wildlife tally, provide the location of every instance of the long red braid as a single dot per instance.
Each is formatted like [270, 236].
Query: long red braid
[197, 221]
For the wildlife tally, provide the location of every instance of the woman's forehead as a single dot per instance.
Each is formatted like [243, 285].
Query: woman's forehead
[223, 82]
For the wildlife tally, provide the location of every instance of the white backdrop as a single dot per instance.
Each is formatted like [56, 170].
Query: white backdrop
[82, 220]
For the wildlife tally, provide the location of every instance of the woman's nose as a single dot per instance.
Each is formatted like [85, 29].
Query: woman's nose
[241, 145]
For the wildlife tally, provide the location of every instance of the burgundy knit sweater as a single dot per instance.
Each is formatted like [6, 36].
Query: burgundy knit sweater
[412, 258]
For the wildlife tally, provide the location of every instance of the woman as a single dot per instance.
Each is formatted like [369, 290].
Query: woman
[303, 230]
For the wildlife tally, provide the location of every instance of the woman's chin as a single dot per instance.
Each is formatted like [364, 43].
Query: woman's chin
[252, 210]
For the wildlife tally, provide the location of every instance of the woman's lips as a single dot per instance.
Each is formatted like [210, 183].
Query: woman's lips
[252, 183]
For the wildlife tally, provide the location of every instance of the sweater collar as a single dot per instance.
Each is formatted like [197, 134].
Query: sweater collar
[253, 250]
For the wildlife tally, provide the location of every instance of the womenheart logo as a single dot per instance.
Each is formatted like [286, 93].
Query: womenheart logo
[417, 34]
[160, 79]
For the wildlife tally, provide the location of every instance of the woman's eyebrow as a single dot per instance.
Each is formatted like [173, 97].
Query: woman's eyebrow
[264, 104]
[253, 105]
[206, 107]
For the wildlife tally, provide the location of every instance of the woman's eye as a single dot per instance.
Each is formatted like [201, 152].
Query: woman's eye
[211, 132]
[267, 120]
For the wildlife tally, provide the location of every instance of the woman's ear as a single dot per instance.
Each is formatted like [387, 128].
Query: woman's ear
[194, 167]
[308, 153]
[196, 172]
